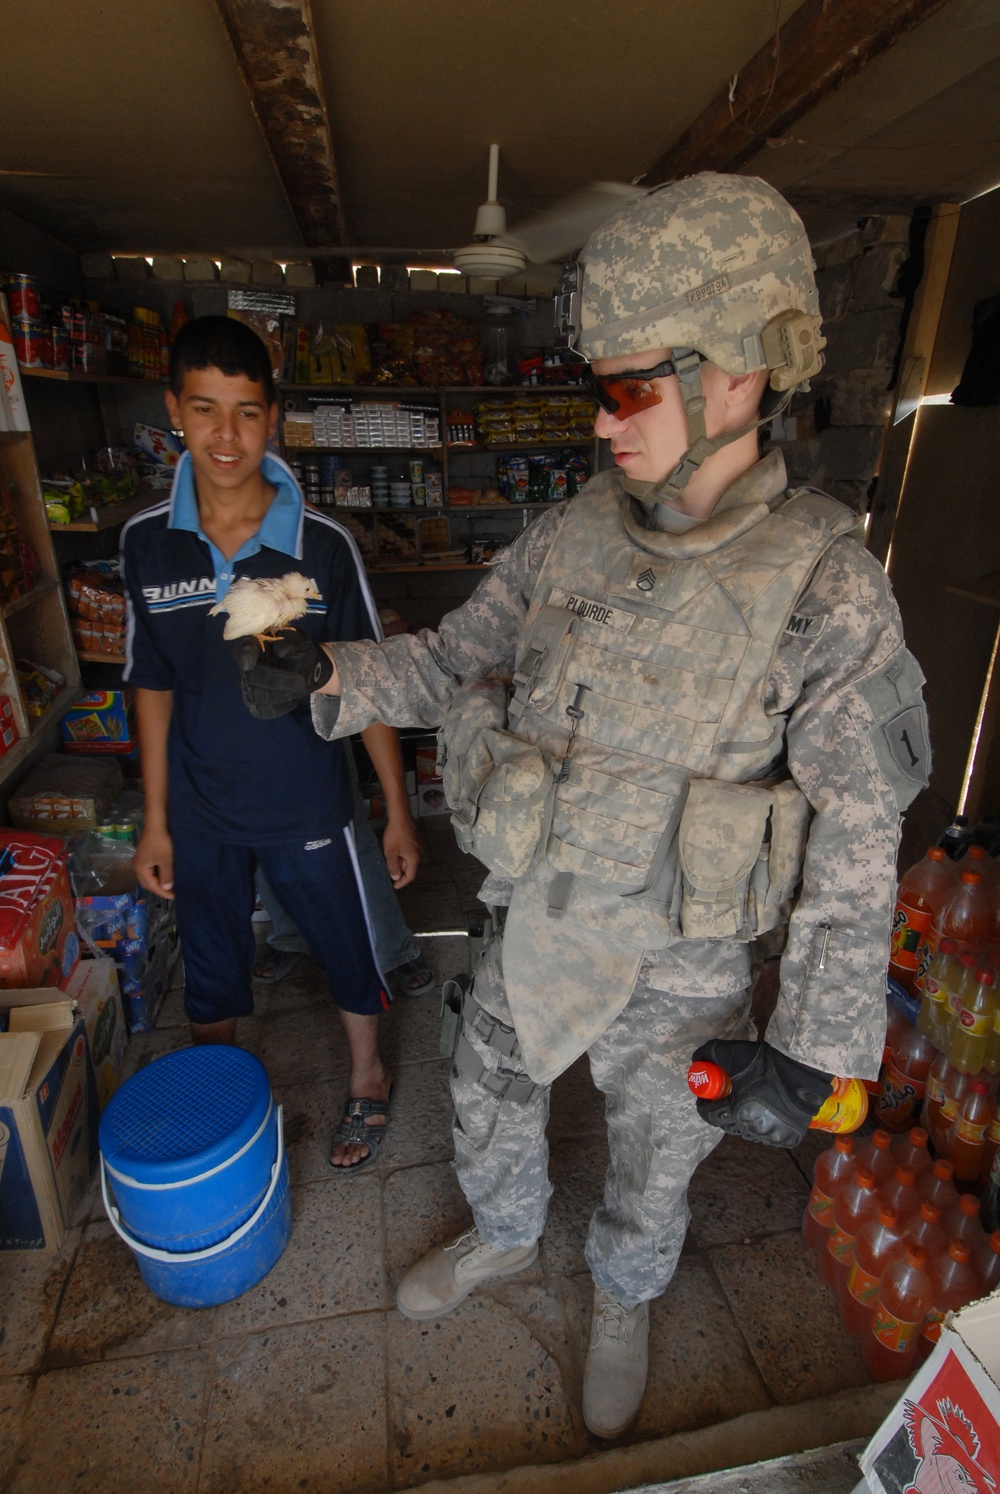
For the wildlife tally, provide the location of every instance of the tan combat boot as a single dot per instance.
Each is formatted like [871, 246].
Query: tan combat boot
[614, 1379]
[436, 1285]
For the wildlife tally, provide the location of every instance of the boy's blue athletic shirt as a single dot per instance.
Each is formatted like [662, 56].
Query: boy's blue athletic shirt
[230, 775]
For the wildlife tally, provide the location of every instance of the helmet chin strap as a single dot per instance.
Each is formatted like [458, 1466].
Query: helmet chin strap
[653, 495]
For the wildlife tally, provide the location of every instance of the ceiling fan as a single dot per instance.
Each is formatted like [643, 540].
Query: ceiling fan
[495, 253]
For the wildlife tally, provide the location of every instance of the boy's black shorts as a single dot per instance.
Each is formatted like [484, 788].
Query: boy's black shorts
[317, 882]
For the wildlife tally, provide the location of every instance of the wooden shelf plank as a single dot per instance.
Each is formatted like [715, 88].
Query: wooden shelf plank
[40, 589]
[68, 376]
[90, 656]
[115, 513]
[63, 702]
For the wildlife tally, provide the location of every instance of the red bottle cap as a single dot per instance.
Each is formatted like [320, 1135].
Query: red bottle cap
[986, 976]
[887, 1215]
[971, 879]
[958, 1250]
[930, 1212]
[916, 1255]
[969, 1204]
[881, 1140]
[708, 1081]
[918, 1136]
[980, 1087]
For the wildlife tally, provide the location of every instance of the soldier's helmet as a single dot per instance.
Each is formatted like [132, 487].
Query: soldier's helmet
[713, 262]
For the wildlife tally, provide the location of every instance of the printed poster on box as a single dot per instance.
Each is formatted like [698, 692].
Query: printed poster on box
[944, 1432]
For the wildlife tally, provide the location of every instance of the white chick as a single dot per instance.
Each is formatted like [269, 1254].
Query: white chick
[259, 607]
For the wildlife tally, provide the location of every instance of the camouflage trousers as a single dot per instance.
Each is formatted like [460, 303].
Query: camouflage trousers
[696, 990]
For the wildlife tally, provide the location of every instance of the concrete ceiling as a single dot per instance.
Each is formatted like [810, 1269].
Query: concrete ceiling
[128, 125]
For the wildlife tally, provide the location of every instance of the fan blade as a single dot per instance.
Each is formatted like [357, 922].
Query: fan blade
[556, 233]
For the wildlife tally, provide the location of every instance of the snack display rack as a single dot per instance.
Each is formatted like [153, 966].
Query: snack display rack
[380, 531]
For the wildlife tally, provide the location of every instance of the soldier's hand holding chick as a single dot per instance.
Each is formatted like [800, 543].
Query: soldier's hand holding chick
[275, 676]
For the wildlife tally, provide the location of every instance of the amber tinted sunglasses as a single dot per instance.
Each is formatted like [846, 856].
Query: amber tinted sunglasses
[627, 393]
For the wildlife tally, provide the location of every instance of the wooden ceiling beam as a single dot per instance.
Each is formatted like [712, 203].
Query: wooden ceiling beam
[820, 46]
[275, 47]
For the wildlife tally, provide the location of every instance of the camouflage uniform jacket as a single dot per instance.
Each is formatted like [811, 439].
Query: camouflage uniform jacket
[831, 688]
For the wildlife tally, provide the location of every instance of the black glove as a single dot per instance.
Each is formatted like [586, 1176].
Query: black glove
[275, 678]
[773, 1097]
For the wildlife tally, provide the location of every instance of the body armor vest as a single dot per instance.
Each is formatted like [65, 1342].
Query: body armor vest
[639, 678]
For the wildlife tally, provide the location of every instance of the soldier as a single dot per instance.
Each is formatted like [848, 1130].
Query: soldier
[677, 714]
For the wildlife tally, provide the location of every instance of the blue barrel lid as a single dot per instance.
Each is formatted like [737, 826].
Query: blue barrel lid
[185, 1114]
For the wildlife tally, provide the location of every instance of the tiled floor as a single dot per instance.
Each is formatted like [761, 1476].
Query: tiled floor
[312, 1381]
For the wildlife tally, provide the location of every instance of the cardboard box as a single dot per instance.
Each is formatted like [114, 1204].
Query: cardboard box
[136, 930]
[48, 1122]
[8, 726]
[101, 721]
[944, 1431]
[94, 988]
[46, 949]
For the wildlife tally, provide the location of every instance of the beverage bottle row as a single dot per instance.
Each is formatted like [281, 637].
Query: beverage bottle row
[897, 1244]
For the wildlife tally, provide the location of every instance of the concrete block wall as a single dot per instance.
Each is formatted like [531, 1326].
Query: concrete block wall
[841, 421]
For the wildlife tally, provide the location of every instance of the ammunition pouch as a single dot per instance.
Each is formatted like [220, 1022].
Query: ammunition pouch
[500, 788]
[741, 847]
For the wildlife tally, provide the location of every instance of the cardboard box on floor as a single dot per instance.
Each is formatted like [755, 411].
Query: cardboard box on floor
[944, 1431]
[48, 1120]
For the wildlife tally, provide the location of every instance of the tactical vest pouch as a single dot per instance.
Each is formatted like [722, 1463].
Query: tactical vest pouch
[499, 788]
[721, 837]
[740, 849]
[513, 807]
[791, 814]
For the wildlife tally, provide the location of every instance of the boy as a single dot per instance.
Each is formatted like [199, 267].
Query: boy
[225, 792]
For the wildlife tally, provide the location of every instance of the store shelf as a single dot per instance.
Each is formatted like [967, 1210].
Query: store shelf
[40, 589]
[13, 436]
[115, 513]
[550, 444]
[91, 656]
[63, 702]
[67, 376]
[364, 451]
[431, 389]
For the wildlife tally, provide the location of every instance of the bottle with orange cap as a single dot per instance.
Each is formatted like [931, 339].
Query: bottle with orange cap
[968, 1136]
[834, 1168]
[904, 1299]
[879, 1243]
[845, 1110]
[953, 1284]
[918, 897]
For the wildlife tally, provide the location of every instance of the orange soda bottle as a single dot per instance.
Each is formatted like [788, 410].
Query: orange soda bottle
[855, 1204]
[924, 1229]
[956, 1087]
[904, 1300]
[845, 1110]
[938, 1185]
[953, 1284]
[964, 915]
[962, 1222]
[878, 1244]
[833, 1169]
[911, 1151]
[968, 1137]
[900, 1193]
[991, 1143]
[904, 1081]
[877, 1155]
[986, 1264]
[919, 894]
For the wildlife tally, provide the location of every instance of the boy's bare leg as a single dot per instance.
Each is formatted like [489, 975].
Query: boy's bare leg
[214, 1032]
[370, 1079]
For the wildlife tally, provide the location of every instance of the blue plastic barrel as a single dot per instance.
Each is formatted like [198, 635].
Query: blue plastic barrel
[188, 1143]
[192, 1150]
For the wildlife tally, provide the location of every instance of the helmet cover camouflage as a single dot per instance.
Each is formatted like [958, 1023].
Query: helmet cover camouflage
[705, 263]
